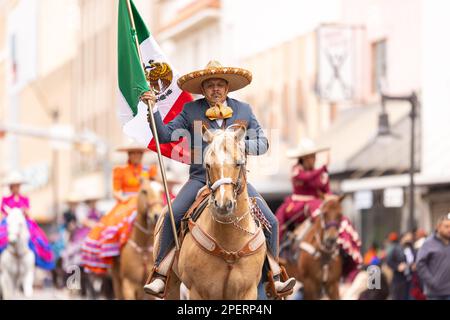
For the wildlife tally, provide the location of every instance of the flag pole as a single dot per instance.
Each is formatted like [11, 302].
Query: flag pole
[155, 134]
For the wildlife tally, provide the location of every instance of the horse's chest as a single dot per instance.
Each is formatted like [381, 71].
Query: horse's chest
[16, 266]
[212, 277]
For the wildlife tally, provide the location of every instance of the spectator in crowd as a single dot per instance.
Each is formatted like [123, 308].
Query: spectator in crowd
[433, 262]
[420, 237]
[371, 253]
[401, 261]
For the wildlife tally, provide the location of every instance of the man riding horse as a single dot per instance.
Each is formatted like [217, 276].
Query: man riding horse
[215, 111]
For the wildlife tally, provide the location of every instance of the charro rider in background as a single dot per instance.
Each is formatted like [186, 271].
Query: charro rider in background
[106, 238]
[215, 111]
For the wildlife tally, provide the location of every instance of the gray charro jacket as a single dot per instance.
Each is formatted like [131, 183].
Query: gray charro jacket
[189, 121]
[433, 266]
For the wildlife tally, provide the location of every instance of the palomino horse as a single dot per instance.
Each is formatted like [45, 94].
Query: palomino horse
[223, 254]
[17, 260]
[319, 264]
[132, 269]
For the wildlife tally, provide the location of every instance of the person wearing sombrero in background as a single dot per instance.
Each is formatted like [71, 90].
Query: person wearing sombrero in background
[309, 185]
[72, 255]
[39, 243]
[215, 111]
[105, 239]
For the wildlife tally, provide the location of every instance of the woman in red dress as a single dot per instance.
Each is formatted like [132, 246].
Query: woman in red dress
[310, 184]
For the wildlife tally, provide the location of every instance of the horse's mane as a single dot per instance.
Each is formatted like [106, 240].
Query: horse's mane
[220, 139]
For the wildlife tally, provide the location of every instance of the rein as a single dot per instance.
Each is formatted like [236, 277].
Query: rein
[319, 251]
[148, 231]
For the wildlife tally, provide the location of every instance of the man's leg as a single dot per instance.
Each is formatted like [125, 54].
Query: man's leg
[272, 240]
[180, 205]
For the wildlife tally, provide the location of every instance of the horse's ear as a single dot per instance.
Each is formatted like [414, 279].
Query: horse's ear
[341, 197]
[240, 132]
[207, 135]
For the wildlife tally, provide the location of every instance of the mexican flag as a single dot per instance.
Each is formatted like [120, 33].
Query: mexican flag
[132, 83]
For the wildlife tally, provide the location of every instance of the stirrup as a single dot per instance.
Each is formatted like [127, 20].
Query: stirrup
[153, 276]
[271, 292]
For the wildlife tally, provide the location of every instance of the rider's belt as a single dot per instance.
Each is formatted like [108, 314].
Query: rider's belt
[299, 197]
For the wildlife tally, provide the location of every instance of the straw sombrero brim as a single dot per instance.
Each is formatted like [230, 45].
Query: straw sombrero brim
[14, 178]
[132, 148]
[73, 198]
[93, 198]
[299, 153]
[10, 182]
[237, 78]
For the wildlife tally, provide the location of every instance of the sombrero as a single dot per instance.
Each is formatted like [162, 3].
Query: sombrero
[14, 178]
[92, 196]
[305, 148]
[237, 78]
[132, 146]
[73, 197]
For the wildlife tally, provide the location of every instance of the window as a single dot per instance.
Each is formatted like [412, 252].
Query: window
[379, 64]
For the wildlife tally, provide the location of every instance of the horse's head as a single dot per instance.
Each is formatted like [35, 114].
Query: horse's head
[225, 169]
[331, 215]
[150, 199]
[17, 226]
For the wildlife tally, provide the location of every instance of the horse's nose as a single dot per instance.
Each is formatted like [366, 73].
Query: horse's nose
[229, 205]
[225, 208]
[329, 242]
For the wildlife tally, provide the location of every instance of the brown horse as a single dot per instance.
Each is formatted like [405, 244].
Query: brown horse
[319, 264]
[130, 269]
[223, 254]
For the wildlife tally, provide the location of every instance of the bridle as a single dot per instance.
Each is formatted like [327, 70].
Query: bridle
[238, 188]
[149, 206]
[237, 185]
[325, 226]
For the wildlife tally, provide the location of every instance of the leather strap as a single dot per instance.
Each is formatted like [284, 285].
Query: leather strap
[309, 248]
[210, 245]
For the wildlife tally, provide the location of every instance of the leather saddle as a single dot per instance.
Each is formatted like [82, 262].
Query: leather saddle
[194, 211]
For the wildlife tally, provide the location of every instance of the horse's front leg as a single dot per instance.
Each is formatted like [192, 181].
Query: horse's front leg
[7, 286]
[311, 290]
[28, 277]
[128, 289]
[27, 283]
[184, 292]
[332, 290]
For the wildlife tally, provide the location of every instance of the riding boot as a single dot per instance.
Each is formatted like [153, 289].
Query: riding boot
[278, 284]
[156, 283]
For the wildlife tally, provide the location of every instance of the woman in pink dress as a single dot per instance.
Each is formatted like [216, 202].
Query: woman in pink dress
[38, 240]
